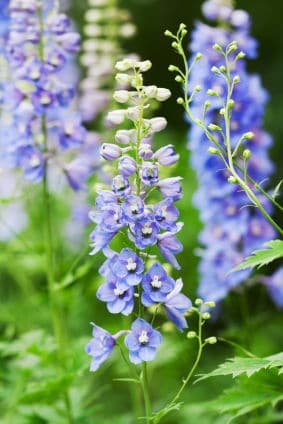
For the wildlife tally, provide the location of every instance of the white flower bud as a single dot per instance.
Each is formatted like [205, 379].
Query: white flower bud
[144, 66]
[121, 96]
[191, 334]
[123, 79]
[125, 64]
[211, 340]
[163, 94]
[157, 124]
[150, 91]
[116, 117]
[133, 113]
[125, 136]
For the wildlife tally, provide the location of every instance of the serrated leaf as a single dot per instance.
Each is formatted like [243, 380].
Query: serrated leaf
[259, 258]
[246, 366]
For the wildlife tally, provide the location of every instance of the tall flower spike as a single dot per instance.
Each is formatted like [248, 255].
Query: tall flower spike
[231, 230]
[141, 206]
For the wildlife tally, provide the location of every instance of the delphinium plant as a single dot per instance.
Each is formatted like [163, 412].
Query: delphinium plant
[231, 229]
[235, 152]
[140, 209]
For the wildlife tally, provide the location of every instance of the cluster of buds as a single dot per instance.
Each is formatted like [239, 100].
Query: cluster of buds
[134, 278]
[105, 25]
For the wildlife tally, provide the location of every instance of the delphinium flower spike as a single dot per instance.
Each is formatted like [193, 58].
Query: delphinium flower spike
[217, 111]
[140, 206]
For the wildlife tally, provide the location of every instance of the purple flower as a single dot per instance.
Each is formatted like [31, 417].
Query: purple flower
[110, 151]
[133, 208]
[169, 246]
[32, 162]
[166, 156]
[171, 187]
[119, 299]
[166, 214]
[142, 342]
[149, 174]
[100, 347]
[144, 232]
[121, 186]
[127, 267]
[176, 305]
[127, 166]
[156, 285]
[99, 240]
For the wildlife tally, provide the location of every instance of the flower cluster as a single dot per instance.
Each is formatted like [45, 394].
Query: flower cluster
[43, 125]
[105, 25]
[140, 206]
[231, 230]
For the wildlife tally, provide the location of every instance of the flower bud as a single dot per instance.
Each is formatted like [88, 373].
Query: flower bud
[163, 94]
[157, 124]
[166, 156]
[247, 154]
[248, 136]
[217, 47]
[125, 65]
[150, 91]
[210, 304]
[231, 104]
[215, 70]
[133, 113]
[211, 93]
[110, 151]
[124, 136]
[123, 79]
[116, 117]
[149, 174]
[145, 65]
[214, 127]
[232, 180]
[121, 96]
[211, 340]
[145, 151]
[236, 79]
[241, 55]
[127, 166]
[168, 33]
[171, 187]
[191, 334]
[198, 56]
[178, 78]
[180, 101]
[212, 151]
[173, 68]
[206, 315]
[198, 88]
[198, 302]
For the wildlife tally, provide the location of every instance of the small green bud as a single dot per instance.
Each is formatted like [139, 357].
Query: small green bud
[182, 26]
[217, 47]
[247, 154]
[236, 79]
[211, 340]
[184, 32]
[198, 88]
[210, 304]
[214, 127]
[215, 70]
[198, 56]
[168, 33]
[231, 104]
[180, 101]
[207, 104]
[206, 315]
[191, 334]
[222, 112]
[241, 55]
[248, 136]
[198, 302]
[211, 93]
[212, 151]
[232, 47]
[178, 78]
[175, 45]
[232, 180]
[222, 69]
[172, 68]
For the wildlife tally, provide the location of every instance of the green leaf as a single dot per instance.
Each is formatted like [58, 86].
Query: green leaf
[259, 258]
[128, 380]
[277, 189]
[246, 366]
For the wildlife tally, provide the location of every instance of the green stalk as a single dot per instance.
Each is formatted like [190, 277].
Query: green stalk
[145, 387]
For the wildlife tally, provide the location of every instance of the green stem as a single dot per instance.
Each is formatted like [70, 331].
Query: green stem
[145, 388]
[195, 364]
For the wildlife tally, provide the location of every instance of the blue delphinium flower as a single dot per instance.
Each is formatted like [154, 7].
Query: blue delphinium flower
[274, 284]
[142, 342]
[230, 231]
[150, 223]
[39, 95]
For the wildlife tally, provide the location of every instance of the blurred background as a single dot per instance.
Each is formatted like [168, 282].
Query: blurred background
[246, 316]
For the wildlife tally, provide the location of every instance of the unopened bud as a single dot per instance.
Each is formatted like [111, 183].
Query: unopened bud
[211, 340]
[206, 315]
[247, 154]
[241, 55]
[222, 69]
[214, 127]
[215, 70]
[168, 33]
[236, 79]
[172, 68]
[231, 104]
[198, 56]
[212, 151]
[174, 45]
[217, 47]
[210, 304]
[178, 78]
[248, 136]
[211, 93]
[198, 302]
[180, 101]
[232, 180]
[191, 334]
[198, 88]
